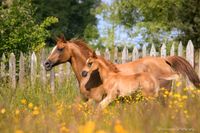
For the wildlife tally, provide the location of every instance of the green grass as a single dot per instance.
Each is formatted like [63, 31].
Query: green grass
[38, 110]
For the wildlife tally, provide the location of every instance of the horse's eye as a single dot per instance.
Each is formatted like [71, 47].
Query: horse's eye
[89, 64]
[60, 49]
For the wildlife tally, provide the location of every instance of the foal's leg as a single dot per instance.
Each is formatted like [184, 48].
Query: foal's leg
[90, 102]
[105, 102]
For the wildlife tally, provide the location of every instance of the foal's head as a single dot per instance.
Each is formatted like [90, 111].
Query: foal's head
[59, 54]
[94, 63]
[91, 65]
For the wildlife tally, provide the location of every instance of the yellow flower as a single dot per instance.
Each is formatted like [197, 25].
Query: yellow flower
[170, 106]
[162, 89]
[180, 105]
[166, 92]
[185, 89]
[105, 111]
[35, 108]
[178, 84]
[19, 131]
[177, 95]
[17, 111]
[185, 111]
[184, 97]
[30, 105]
[23, 101]
[118, 128]
[87, 128]
[35, 112]
[164, 96]
[63, 129]
[170, 94]
[100, 131]
[187, 116]
[3, 110]
[175, 102]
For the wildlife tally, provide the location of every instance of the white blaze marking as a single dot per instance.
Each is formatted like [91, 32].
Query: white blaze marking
[87, 61]
[53, 50]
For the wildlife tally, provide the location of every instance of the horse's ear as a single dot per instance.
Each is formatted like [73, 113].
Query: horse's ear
[56, 38]
[60, 45]
[94, 54]
[62, 38]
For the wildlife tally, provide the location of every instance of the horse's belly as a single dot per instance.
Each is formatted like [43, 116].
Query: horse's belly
[127, 89]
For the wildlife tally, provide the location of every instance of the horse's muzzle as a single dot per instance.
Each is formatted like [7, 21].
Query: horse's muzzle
[48, 65]
[84, 73]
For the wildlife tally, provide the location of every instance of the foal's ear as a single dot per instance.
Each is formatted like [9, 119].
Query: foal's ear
[94, 55]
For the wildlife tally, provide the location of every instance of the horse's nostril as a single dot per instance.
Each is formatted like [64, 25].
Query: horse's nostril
[48, 65]
[84, 73]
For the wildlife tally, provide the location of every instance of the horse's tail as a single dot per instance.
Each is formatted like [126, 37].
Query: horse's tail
[183, 67]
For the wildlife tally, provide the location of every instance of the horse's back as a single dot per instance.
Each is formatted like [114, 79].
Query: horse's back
[156, 65]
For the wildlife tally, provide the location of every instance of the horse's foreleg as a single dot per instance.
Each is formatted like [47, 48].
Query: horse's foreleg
[105, 102]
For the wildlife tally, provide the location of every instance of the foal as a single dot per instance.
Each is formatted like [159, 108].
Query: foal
[116, 83]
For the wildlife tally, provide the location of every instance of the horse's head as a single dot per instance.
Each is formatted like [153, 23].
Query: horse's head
[59, 54]
[91, 65]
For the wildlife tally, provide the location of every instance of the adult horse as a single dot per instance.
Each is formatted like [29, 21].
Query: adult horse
[76, 52]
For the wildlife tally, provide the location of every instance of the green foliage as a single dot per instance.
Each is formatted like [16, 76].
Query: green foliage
[157, 20]
[76, 17]
[19, 30]
[90, 32]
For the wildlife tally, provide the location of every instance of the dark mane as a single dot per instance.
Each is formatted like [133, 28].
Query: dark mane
[109, 64]
[83, 46]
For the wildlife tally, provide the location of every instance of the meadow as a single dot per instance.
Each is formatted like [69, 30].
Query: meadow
[38, 110]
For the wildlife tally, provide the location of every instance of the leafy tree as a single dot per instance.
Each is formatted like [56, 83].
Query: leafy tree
[76, 17]
[156, 20]
[19, 30]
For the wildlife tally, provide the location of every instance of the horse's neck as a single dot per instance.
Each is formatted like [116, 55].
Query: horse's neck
[105, 73]
[78, 61]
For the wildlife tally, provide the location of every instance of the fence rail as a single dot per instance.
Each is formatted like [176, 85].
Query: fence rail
[36, 71]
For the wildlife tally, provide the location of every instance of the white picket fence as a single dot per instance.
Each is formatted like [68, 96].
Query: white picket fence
[36, 72]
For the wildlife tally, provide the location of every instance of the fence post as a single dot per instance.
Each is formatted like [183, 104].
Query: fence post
[97, 52]
[107, 54]
[199, 63]
[153, 50]
[144, 51]
[116, 55]
[68, 69]
[21, 71]
[124, 55]
[180, 49]
[190, 58]
[3, 67]
[163, 51]
[172, 50]
[135, 54]
[43, 75]
[190, 53]
[60, 75]
[33, 68]
[12, 70]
